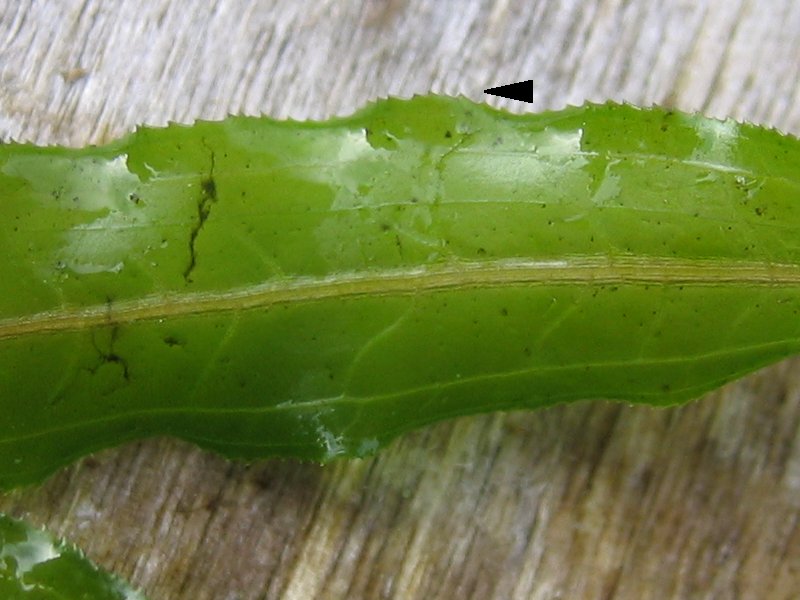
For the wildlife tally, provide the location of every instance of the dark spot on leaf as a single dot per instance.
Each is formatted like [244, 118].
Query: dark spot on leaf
[113, 357]
[209, 188]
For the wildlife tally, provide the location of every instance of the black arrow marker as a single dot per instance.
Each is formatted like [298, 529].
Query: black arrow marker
[522, 90]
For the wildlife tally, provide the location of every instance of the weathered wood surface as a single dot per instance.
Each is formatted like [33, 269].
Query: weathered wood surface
[595, 500]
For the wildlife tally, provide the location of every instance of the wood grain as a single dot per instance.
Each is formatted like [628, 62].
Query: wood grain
[593, 500]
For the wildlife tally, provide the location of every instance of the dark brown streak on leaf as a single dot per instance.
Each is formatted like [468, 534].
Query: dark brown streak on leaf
[109, 355]
[208, 196]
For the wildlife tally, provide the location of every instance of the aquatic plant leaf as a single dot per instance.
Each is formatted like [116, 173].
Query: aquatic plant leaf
[315, 289]
[35, 566]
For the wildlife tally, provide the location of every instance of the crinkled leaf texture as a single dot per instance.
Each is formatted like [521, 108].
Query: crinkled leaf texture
[34, 566]
[315, 289]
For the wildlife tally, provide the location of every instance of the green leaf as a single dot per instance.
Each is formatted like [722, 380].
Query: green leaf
[315, 289]
[34, 566]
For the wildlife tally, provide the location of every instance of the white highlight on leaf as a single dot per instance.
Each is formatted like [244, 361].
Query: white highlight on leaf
[26, 555]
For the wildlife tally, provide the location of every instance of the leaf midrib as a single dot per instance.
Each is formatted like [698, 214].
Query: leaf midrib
[578, 270]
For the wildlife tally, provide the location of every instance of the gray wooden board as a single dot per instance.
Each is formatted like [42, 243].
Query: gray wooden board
[592, 500]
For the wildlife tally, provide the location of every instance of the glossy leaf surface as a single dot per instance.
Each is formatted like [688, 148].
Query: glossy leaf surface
[34, 566]
[315, 289]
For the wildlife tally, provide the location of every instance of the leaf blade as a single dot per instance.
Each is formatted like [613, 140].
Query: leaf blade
[33, 565]
[314, 289]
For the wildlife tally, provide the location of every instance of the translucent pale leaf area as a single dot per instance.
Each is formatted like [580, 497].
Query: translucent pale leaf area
[35, 566]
